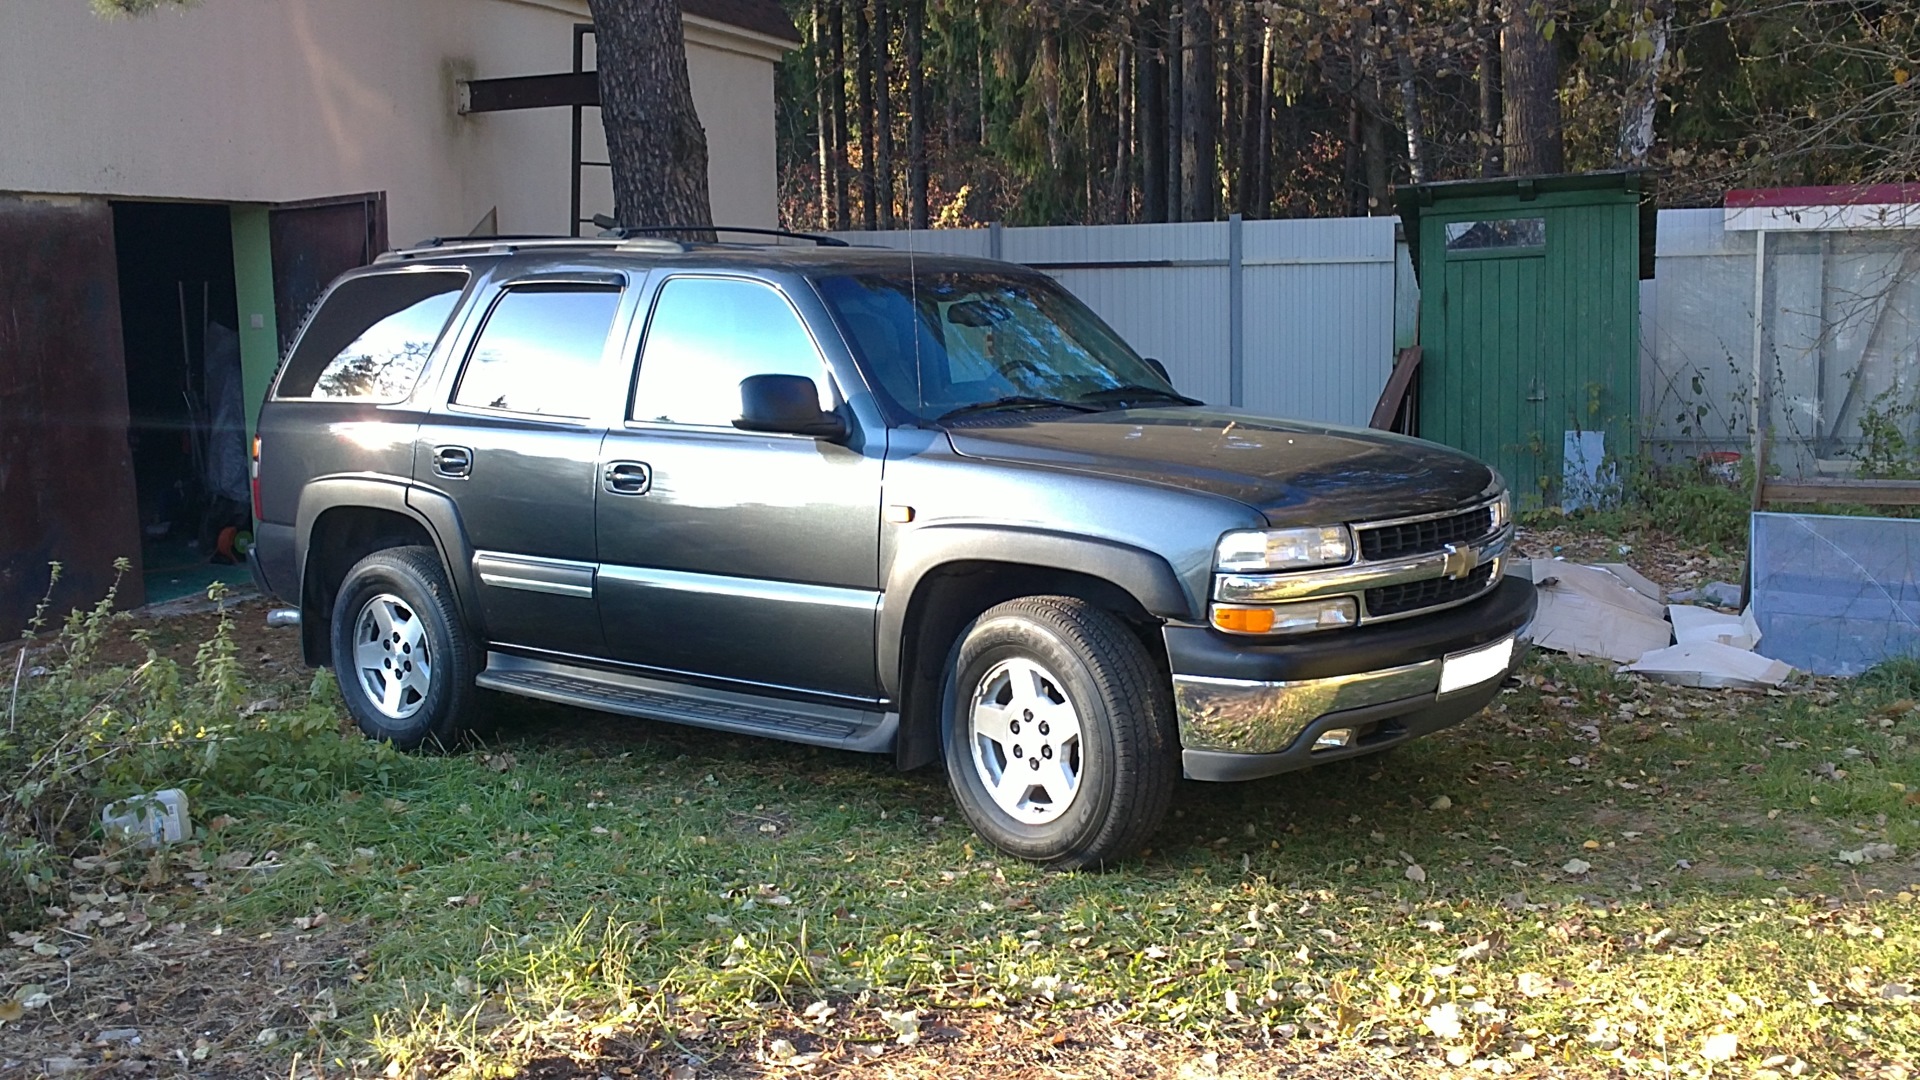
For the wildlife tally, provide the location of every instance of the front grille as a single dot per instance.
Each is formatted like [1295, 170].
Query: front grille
[1421, 537]
[1433, 592]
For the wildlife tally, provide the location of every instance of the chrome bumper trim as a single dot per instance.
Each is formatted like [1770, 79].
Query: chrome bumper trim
[1357, 577]
[1246, 717]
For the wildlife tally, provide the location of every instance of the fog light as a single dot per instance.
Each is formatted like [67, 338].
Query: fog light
[1334, 739]
[1292, 618]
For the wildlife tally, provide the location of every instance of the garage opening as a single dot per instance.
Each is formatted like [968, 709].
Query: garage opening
[186, 407]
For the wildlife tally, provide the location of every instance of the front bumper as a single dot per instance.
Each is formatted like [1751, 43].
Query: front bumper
[1249, 710]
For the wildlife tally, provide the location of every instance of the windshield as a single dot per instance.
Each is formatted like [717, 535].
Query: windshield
[944, 343]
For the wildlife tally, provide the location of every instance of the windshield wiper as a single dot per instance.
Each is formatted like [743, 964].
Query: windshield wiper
[1016, 401]
[1123, 394]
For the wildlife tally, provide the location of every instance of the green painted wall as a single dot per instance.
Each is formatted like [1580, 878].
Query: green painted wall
[1521, 346]
[253, 288]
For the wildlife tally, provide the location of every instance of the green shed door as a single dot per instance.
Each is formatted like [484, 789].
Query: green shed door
[1529, 318]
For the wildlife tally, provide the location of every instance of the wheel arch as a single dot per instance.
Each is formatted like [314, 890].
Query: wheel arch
[943, 587]
[343, 520]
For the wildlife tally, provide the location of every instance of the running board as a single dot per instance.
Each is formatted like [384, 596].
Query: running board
[838, 726]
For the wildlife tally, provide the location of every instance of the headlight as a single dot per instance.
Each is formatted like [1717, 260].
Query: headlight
[1285, 549]
[1503, 510]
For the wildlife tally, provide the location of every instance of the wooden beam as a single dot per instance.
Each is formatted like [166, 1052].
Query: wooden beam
[1395, 393]
[530, 92]
[1846, 492]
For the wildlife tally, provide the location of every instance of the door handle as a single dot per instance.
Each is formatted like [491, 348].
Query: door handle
[453, 462]
[627, 477]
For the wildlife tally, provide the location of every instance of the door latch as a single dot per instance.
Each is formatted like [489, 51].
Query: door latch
[627, 477]
[453, 462]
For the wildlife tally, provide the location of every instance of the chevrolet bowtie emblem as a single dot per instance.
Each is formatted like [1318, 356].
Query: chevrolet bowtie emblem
[1461, 562]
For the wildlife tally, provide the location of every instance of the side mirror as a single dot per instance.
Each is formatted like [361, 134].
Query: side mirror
[1159, 369]
[786, 405]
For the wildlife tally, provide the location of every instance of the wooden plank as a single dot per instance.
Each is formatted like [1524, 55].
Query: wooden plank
[1843, 492]
[530, 92]
[1398, 384]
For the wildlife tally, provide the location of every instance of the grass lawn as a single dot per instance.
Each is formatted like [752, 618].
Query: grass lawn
[1599, 876]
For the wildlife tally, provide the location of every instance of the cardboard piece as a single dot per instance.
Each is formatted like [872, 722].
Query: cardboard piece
[1635, 580]
[1592, 613]
[1698, 624]
[1713, 665]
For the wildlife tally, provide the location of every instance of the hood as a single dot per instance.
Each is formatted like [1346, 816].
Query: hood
[1294, 472]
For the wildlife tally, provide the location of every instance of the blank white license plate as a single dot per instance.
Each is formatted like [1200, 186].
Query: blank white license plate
[1462, 670]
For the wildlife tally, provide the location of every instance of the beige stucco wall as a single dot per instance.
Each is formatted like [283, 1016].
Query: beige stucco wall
[279, 100]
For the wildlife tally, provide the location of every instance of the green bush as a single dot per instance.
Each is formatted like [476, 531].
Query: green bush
[85, 733]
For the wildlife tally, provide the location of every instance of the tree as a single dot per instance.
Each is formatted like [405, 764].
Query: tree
[1530, 89]
[654, 139]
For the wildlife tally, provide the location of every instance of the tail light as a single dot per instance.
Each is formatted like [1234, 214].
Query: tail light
[253, 474]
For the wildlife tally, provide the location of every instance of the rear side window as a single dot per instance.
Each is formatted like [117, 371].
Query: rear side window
[540, 351]
[372, 336]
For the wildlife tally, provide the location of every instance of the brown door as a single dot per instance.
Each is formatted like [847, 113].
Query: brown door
[66, 475]
[313, 243]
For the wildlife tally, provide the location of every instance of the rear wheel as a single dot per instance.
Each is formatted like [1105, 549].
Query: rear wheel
[1059, 733]
[401, 656]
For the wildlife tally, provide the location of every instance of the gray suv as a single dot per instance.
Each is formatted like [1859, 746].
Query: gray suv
[923, 506]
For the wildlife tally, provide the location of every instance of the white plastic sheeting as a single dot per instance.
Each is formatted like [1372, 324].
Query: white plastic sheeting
[1836, 595]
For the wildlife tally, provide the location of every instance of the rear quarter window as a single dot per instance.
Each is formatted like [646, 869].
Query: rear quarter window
[371, 337]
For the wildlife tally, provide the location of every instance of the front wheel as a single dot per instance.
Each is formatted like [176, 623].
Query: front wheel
[1058, 731]
[401, 656]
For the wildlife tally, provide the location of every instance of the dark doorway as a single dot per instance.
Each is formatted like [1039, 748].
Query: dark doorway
[186, 426]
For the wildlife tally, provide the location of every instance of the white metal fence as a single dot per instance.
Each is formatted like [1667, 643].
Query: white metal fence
[1297, 318]
[1292, 318]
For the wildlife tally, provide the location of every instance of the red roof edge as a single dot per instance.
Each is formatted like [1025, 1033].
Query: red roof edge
[1841, 195]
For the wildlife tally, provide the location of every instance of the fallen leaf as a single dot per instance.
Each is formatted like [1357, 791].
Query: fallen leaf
[1576, 867]
[1721, 1047]
[1441, 803]
[1415, 873]
[1444, 1021]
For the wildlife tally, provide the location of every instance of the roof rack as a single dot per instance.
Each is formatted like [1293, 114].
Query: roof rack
[614, 228]
[500, 245]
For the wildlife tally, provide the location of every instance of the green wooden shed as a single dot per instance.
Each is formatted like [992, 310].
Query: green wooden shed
[1530, 324]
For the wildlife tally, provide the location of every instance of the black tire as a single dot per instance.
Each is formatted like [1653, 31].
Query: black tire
[436, 698]
[1120, 768]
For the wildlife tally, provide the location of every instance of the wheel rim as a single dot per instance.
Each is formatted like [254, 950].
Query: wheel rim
[1025, 735]
[391, 657]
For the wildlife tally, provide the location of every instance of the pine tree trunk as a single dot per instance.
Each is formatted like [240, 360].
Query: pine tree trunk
[863, 77]
[1409, 94]
[654, 139]
[1643, 82]
[1089, 125]
[837, 104]
[1488, 32]
[1176, 109]
[1120, 190]
[1198, 106]
[1263, 164]
[1150, 115]
[1245, 183]
[1050, 91]
[1530, 87]
[883, 110]
[916, 115]
[824, 134]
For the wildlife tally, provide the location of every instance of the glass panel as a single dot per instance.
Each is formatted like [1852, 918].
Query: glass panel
[944, 341]
[708, 334]
[540, 351]
[1496, 233]
[371, 338]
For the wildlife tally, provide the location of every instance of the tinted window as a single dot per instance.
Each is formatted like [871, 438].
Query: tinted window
[941, 341]
[706, 335]
[372, 336]
[540, 351]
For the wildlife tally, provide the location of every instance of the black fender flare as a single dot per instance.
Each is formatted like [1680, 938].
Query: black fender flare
[434, 512]
[1142, 574]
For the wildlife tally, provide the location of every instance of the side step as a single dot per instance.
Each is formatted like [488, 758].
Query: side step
[841, 727]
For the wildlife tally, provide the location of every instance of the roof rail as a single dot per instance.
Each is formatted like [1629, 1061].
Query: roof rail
[613, 228]
[441, 245]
